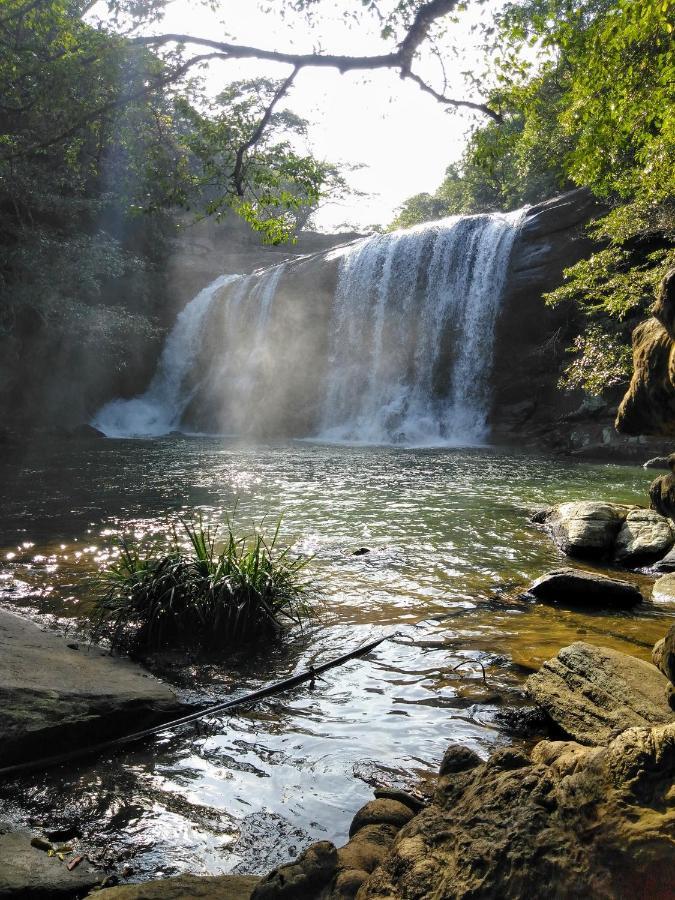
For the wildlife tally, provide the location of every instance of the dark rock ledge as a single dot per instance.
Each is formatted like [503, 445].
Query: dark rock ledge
[54, 698]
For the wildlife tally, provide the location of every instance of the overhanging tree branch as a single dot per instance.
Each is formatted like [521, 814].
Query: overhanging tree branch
[400, 59]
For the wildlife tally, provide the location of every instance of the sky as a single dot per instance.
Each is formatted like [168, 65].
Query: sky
[403, 138]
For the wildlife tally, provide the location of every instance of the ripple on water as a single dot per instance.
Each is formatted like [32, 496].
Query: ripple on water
[447, 530]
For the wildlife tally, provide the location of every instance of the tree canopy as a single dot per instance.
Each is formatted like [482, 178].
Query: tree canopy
[586, 91]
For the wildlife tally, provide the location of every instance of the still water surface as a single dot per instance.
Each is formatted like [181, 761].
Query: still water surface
[450, 546]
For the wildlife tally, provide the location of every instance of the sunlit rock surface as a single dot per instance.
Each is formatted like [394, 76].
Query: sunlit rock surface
[571, 821]
[649, 404]
[592, 693]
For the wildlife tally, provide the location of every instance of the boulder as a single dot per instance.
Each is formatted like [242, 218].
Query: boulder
[571, 821]
[657, 462]
[649, 404]
[304, 878]
[667, 564]
[196, 887]
[593, 693]
[663, 655]
[324, 873]
[573, 587]
[664, 589]
[645, 535]
[54, 697]
[662, 495]
[585, 527]
[28, 872]
[381, 812]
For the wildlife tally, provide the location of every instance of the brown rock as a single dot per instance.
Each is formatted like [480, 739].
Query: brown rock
[593, 693]
[572, 822]
[649, 404]
[458, 758]
[303, 879]
[381, 812]
[663, 655]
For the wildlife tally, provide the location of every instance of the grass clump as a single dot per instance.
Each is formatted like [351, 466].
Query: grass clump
[200, 591]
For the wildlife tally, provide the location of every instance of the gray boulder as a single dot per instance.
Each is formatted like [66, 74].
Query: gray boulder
[54, 698]
[586, 527]
[593, 693]
[573, 587]
[645, 535]
[664, 589]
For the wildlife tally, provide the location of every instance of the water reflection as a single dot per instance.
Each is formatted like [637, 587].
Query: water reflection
[449, 543]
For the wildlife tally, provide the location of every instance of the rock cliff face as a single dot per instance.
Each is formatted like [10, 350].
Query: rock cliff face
[649, 404]
[531, 338]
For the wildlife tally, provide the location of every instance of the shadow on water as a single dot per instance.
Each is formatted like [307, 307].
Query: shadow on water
[449, 545]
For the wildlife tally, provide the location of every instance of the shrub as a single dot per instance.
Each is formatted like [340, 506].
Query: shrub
[157, 596]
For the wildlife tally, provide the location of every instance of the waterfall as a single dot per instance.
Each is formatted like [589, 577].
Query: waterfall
[159, 410]
[401, 354]
[413, 333]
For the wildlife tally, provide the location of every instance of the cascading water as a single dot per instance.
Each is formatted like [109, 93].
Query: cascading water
[413, 333]
[403, 353]
[159, 410]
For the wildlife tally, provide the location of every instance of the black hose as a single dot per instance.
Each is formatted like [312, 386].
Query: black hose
[276, 688]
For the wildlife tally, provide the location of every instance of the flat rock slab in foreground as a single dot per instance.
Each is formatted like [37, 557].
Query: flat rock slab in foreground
[54, 699]
[594, 693]
[216, 887]
[26, 871]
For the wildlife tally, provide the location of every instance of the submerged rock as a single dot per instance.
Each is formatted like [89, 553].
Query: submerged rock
[26, 871]
[644, 535]
[593, 693]
[571, 821]
[196, 887]
[585, 527]
[54, 699]
[573, 587]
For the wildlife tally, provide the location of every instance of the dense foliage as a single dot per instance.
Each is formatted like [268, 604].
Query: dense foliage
[156, 597]
[586, 89]
[101, 143]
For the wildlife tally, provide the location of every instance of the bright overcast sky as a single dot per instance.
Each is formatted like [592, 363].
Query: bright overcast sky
[403, 137]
